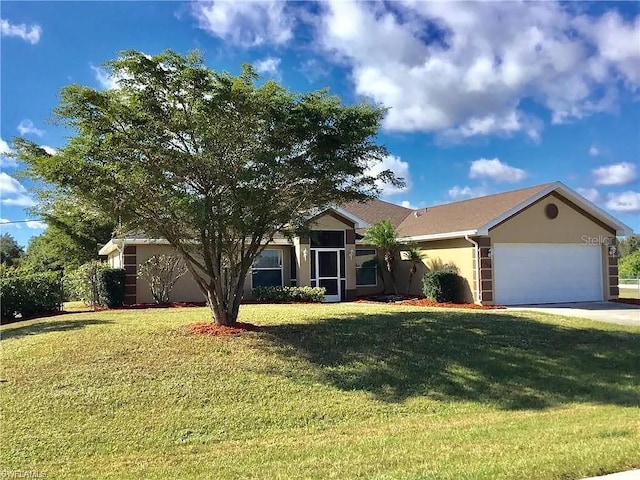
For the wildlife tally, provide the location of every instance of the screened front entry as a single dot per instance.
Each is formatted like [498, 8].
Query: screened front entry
[328, 264]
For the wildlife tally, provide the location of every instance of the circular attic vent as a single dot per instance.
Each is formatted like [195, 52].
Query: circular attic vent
[551, 211]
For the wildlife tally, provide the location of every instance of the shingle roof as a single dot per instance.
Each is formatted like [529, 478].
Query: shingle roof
[447, 218]
[376, 210]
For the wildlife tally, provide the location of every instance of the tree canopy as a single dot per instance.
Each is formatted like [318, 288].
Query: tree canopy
[74, 234]
[216, 164]
[10, 251]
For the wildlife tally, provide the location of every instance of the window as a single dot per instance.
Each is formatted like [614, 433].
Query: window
[366, 273]
[327, 239]
[267, 269]
[367, 276]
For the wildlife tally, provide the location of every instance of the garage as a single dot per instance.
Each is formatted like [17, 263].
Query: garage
[546, 273]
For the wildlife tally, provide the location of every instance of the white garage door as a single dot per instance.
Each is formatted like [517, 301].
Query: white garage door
[546, 273]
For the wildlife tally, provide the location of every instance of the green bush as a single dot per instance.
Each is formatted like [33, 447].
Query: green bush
[29, 295]
[288, 294]
[96, 284]
[442, 286]
[111, 287]
[629, 266]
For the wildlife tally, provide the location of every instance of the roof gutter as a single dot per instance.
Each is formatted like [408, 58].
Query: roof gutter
[476, 257]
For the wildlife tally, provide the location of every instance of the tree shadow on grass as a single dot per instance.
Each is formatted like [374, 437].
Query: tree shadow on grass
[509, 361]
[47, 326]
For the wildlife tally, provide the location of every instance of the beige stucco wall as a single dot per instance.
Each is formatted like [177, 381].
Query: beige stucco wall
[328, 222]
[532, 226]
[114, 259]
[570, 226]
[456, 251]
[185, 290]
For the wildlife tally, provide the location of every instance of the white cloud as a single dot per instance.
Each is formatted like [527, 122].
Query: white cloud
[460, 193]
[248, 24]
[36, 225]
[5, 223]
[496, 170]
[398, 167]
[625, 202]
[590, 194]
[268, 66]
[408, 204]
[12, 192]
[5, 161]
[594, 151]
[28, 33]
[49, 150]
[26, 127]
[19, 201]
[616, 174]
[106, 80]
[9, 185]
[464, 69]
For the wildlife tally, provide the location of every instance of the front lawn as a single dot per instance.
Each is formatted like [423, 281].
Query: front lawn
[321, 391]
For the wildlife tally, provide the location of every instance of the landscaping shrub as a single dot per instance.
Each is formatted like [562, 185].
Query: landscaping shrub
[111, 287]
[442, 286]
[96, 284]
[162, 272]
[29, 295]
[288, 294]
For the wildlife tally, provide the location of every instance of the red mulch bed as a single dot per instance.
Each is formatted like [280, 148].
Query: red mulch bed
[425, 302]
[630, 301]
[215, 330]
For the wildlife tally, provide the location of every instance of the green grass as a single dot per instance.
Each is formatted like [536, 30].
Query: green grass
[322, 391]
[629, 293]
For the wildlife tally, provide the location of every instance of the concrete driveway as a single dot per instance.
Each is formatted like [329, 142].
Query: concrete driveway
[611, 312]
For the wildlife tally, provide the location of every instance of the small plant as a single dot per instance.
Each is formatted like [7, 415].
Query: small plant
[435, 264]
[414, 255]
[383, 236]
[162, 272]
[442, 286]
[289, 294]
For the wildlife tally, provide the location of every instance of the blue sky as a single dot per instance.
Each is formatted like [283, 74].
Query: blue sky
[483, 97]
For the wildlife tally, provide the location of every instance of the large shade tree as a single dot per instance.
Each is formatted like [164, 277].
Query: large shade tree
[214, 163]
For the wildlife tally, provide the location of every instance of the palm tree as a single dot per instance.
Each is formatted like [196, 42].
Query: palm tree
[415, 256]
[383, 236]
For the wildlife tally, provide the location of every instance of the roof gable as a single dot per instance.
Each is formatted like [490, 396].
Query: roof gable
[473, 216]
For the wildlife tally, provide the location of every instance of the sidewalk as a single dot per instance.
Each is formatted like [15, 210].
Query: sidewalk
[630, 475]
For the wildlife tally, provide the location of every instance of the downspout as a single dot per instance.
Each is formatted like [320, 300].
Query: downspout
[476, 257]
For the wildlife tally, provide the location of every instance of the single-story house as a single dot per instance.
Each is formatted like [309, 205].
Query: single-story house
[541, 244]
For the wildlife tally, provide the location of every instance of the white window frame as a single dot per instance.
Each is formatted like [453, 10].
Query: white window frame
[375, 254]
[253, 269]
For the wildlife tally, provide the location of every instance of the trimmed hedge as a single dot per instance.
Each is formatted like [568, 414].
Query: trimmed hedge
[443, 286]
[30, 295]
[289, 294]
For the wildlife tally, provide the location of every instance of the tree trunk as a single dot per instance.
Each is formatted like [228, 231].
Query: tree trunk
[225, 310]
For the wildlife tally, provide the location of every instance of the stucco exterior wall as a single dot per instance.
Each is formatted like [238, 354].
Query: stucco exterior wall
[114, 259]
[457, 251]
[185, 290]
[571, 226]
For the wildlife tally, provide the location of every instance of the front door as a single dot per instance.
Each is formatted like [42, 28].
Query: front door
[328, 273]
